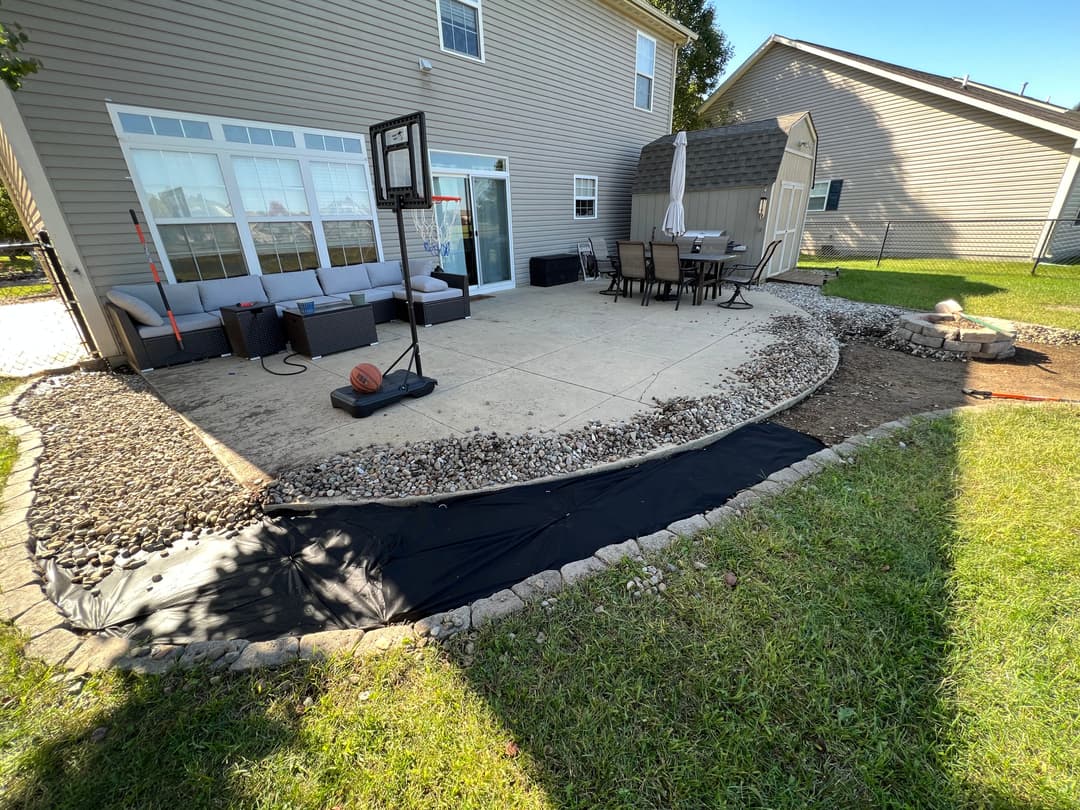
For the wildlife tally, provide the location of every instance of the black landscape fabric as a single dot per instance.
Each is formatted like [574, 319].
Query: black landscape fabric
[368, 565]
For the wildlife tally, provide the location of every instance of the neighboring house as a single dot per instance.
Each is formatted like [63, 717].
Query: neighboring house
[900, 144]
[239, 130]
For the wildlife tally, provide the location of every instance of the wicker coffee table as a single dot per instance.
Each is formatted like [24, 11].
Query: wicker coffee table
[331, 328]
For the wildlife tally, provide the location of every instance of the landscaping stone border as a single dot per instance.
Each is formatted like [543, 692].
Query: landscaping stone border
[23, 600]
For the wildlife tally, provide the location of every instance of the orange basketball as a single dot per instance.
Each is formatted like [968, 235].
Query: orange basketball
[365, 379]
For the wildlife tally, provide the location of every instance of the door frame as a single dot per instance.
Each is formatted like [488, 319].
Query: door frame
[468, 174]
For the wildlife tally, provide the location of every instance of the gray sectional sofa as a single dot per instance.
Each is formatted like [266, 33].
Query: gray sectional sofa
[144, 333]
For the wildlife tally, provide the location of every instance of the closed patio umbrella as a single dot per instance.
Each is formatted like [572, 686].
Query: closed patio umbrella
[674, 217]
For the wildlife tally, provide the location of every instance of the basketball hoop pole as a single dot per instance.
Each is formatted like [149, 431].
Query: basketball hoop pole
[408, 286]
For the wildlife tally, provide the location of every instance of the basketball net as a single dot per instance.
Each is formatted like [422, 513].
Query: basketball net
[433, 224]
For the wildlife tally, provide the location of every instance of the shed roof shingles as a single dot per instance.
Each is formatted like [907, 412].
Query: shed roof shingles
[721, 157]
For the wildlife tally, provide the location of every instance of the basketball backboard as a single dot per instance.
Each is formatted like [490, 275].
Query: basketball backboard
[399, 157]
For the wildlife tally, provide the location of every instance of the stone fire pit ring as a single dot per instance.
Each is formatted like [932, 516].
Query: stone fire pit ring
[955, 333]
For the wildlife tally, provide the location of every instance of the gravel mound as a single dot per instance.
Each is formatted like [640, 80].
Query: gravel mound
[121, 476]
[873, 323]
[802, 354]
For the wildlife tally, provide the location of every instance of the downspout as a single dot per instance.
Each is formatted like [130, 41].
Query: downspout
[1068, 179]
[674, 71]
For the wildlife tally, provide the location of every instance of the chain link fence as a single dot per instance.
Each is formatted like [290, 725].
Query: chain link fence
[1035, 246]
[40, 328]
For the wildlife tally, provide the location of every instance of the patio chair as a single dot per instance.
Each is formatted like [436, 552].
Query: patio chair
[665, 268]
[633, 266]
[606, 264]
[743, 275]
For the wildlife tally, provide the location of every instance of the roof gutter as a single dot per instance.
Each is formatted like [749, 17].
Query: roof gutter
[644, 10]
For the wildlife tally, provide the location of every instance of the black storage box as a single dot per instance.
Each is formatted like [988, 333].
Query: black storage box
[547, 271]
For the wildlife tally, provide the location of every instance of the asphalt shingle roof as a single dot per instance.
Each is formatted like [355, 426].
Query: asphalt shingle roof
[721, 157]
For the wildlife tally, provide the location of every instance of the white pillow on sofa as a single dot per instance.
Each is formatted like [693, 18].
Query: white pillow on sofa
[140, 311]
[427, 283]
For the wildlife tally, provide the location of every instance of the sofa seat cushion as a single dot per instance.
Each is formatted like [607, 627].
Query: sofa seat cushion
[291, 286]
[384, 274]
[142, 312]
[320, 300]
[374, 294]
[185, 323]
[226, 292]
[427, 284]
[426, 297]
[344, 280]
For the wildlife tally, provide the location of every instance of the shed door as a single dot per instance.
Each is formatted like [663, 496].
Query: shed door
[788, 216]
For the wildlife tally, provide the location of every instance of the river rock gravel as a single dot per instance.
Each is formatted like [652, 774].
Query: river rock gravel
[121, 476]
[801, 354]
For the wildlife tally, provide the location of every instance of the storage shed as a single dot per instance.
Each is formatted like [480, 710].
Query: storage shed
[751, 180]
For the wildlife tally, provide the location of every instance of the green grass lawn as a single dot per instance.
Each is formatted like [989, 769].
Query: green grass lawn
[18, 292]
[905, 632]
[1052, 297]
[15, 266]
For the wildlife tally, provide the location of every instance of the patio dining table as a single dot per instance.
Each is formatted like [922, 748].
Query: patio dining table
[702, 261]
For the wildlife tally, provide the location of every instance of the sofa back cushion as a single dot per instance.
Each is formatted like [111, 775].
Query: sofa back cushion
[184, 298]
[338, 280]
[140, 311]
[385, 274]
[147, 293]
[224, 292]
[290, 286]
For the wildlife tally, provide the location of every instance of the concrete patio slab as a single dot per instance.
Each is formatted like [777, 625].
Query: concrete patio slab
[529, 359]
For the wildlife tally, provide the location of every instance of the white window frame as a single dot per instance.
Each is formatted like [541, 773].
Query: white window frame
[650, 76]
[595, 196]
[225, 151]
[478, 5]
[824, 197]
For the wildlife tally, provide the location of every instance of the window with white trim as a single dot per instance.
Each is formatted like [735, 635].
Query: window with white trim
[825, 195]
[646, 71]
[461, 28]
[227, 198]
[585, 188]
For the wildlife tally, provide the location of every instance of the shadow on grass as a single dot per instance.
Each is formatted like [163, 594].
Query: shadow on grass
[178, 740]
[818, 680]
[918, 291]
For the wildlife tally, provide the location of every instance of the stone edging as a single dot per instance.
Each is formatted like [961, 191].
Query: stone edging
[23, 601]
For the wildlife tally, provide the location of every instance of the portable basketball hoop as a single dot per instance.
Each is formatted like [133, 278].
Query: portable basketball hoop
[433, 224]
[402, 179]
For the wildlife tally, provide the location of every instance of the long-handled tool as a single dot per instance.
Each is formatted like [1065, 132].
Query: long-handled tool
[157, 279]
[972, 392]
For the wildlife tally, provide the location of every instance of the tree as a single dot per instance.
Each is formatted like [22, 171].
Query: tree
[13, 66]
[11, 229]
[700, 62]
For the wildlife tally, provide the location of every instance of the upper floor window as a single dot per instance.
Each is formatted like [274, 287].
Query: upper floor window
[646, 70]
[584, 196]
[461, 29]
[825, 195]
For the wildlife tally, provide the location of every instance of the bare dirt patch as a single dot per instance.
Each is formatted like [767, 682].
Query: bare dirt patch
[875, 385]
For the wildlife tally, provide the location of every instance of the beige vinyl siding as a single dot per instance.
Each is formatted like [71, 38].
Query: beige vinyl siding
[542, 99]
[1065, 240]
[903, 153]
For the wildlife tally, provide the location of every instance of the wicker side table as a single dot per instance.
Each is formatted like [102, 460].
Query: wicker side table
[253, 331]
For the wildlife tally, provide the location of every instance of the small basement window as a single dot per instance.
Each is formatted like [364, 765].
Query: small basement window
[825, 195]
[585, 187]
